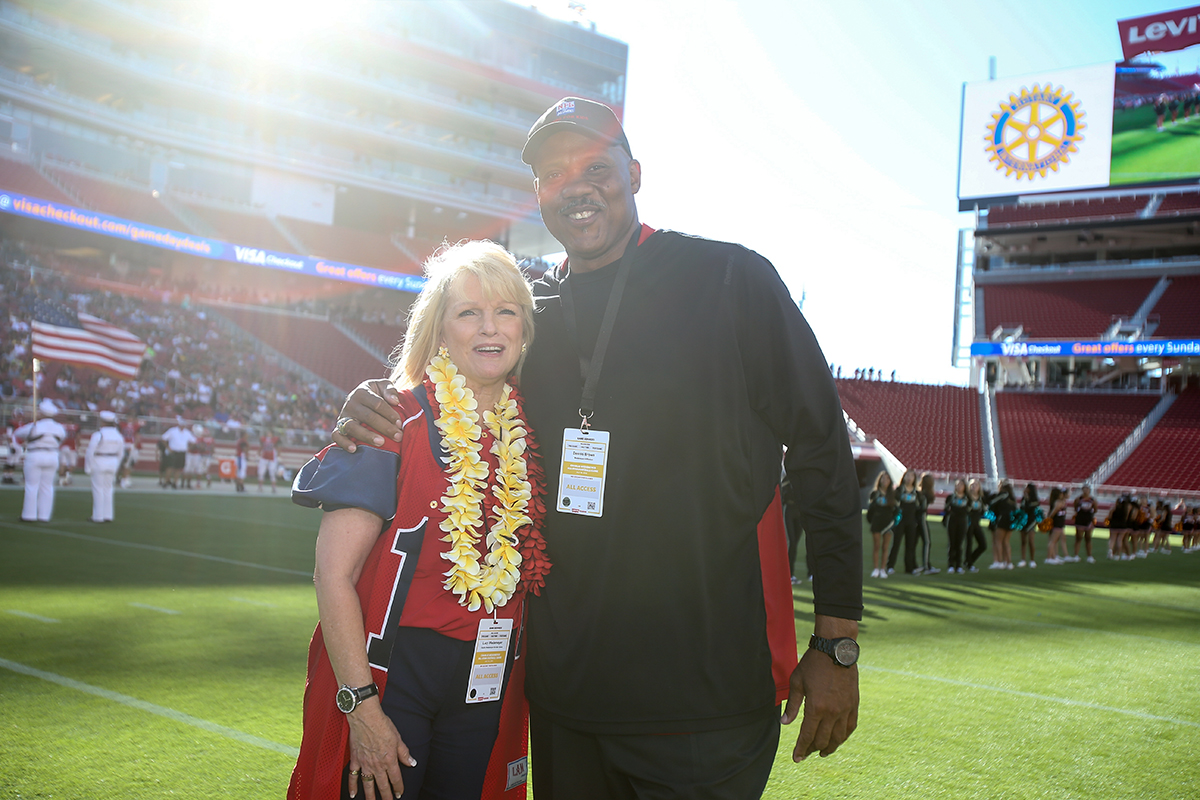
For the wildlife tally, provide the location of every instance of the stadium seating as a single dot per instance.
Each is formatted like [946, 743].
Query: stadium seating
[22, 178]
[351, 246]
[1066, 309]
[1175, 204]
[1023, 214]
[383, 336]
[1179, 309]
[1169, 457]
[250, 229]
[1064, 437]
[123, 201]
[934, 428]
[312, 343]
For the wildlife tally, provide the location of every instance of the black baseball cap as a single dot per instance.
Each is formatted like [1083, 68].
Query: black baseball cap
[581, 116]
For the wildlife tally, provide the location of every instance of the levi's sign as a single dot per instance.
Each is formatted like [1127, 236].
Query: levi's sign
[1159, 33]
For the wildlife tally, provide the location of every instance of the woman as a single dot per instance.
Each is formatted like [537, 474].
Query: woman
[930, 495]
[464, 487]
[1141, 526]
[1118, 524]
[911, 504]
[1085, 522]
[1003, 505]
[957, 518]
[976, 511]
[1189, 517]
[881, 516]
[1058, 521]
[1163, 520]
[1031, 515]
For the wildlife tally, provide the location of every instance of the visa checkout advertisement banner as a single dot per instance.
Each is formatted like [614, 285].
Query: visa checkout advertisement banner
[1149, 348]
[130, 231]
[1135, 123]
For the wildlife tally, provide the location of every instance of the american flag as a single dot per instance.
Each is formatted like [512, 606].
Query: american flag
[60, 334]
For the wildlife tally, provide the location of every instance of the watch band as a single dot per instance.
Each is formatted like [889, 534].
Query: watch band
[355, 697]
[830, 647]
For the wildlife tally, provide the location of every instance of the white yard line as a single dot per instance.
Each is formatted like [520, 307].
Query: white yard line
[1047, 698]
[142, 705]
[155, 608]
[27, 615]
[157, 549]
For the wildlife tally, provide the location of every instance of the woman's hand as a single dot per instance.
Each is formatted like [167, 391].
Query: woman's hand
[376, 751]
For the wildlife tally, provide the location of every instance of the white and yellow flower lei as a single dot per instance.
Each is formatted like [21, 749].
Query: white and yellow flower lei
[493, 583]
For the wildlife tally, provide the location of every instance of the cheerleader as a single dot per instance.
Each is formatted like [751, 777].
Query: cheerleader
[926, 484]
[1031, 509]
[1160, 111]
[1058, 521]
[881, 516]
[1187, 526]
[957, 518]
[1140, 522]
[975, 535]
[1003, 505]
[911, 503]
[1162, 524]
[1118, 528]
[1085, 522]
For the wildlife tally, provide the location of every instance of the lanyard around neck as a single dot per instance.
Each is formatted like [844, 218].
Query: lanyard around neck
[589, 369]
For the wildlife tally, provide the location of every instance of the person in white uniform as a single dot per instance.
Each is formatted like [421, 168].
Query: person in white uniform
[41, 440]
[102, 461]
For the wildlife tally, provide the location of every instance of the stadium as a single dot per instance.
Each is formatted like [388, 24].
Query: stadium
[257, 219]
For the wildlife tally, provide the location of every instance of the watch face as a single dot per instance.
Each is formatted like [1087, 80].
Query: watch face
[345, 700]
[846, 652]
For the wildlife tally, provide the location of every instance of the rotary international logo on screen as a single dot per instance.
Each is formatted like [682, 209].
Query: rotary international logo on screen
[1035, 131]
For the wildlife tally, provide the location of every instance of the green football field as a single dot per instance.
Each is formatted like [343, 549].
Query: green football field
[1141, 153]
[163, 656]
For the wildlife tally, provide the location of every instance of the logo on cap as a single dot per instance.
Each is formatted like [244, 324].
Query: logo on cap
[565, 107]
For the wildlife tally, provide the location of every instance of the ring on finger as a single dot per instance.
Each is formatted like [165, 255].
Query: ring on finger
[368, 777]
[355, 772]
[340, 427]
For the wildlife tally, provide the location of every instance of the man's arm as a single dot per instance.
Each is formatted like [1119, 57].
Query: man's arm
[368, 415]
[792, 391]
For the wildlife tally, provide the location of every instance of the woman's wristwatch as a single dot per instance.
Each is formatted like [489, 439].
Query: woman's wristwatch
[348, 697]
[843, 651]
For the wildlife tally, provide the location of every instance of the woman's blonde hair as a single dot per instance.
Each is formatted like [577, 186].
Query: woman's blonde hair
[499, 277]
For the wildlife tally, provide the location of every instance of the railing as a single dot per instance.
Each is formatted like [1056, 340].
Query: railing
[1135, 438]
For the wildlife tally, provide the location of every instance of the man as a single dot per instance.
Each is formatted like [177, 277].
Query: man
[41, 439]
[268, 462]
[663, 642]
[242, 449]
[68, 454]
[101, 462]
[178, 439]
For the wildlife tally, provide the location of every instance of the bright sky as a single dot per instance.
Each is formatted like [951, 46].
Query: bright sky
[824, 135]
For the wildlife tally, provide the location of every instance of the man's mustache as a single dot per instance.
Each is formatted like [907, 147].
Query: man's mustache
[581, 202]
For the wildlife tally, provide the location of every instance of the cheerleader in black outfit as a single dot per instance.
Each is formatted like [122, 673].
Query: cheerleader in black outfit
[956, 518]
[1058, 521]
[881, 516]
[930, 495]
[1031, 508]
[1003, 505]
[1085, 522]
[1118, 528]
[975, 535]
[1187, 526]
[1162, 523]
[1140, 521]
[911, 504]
[1160, 110]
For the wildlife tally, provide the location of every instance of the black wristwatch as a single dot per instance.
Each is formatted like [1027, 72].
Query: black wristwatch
[843, 651]
[348, 697]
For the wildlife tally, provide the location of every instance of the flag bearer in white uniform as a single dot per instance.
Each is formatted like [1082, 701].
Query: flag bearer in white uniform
[102, 461]
[41, 440]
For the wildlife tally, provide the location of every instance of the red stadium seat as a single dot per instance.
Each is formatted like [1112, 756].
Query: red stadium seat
[1169, 457]
[934, 428]
[1063, 309]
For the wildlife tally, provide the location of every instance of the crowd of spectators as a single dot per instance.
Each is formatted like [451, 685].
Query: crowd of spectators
[197, 366]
